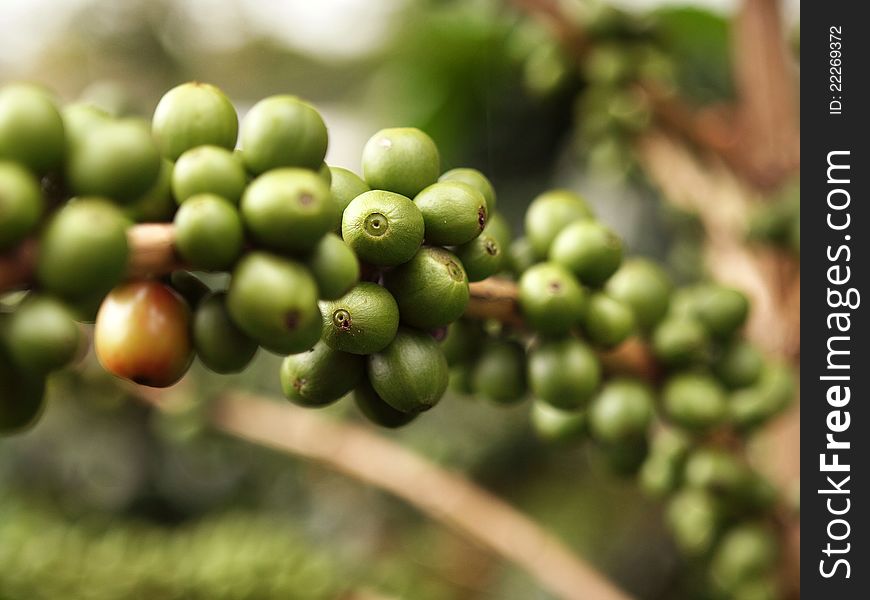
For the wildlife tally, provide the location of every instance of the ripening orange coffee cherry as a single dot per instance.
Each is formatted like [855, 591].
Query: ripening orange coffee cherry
[142, 333]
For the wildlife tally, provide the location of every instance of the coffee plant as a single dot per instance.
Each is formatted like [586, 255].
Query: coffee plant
[378, 287]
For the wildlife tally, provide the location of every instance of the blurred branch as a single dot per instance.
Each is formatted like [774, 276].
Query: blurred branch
[442, 495]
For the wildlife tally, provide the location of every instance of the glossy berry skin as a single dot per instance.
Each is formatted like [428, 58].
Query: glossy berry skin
[274, 301]
[411, 373]
[564, 373]
[334, 266]
[622, 410]
[288, 209]
[431, 289]
[499, 375]
[31, 128]
[739, 365]
[551, 300]
[42, 336]
[142, 333]
[475, 179]
[745, 553]
[194, 114]
[608, 322]
[521, 256]
[21, 204]
[363, 321]
[548, 214]
[645, 287]
[220, 344]
[499, 228]
[283, 131]
[208, 170]
[383, 228]
[117, 160]
[208, 232]
[453, 213]
[752, 406]
[680, 341]
[83, 249]
[462, 341]
[320, 376]
[345, 186]
[402, 160]
[589, 250]
[556, 425]
[695, 518]
[721, 309]
[482, 257]
[695, 402]
[376, 410]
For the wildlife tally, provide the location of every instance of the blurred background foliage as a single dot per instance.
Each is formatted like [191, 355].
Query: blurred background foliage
[108, 499]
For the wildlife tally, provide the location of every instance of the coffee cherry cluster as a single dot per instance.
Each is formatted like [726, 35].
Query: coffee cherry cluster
[674, 428]
[347, 275]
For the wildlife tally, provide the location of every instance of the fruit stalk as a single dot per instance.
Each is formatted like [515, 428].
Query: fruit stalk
[444, 496]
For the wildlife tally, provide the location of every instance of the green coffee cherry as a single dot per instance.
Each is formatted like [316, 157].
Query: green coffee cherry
[718, 471]
[680, 341]
[117, 160]
[746, 552]
[363, 321]
[460, 380]
[283, 131]
[453, 213]
[589, 250]
[208, 170]
[208, 232]
[321, 375]
[403, 160]
[694, 401]
[564, 373]
[80, 119]
[220, 344]
[83, 249]
[346, 185]
[376, 410]
[482, 257]
[288, 210]
[694, 517]
[42, 336]
[21, 398]
[334, 266]
[462, 341]
[740, 365]
[431, 289]
[770, 395]
[156, 205]
[761, 588]
[31, 128]
[383, 228]
[645, 287]
[551, 300]
[475, 179]
[622, 410]
[411, 373]
[722, 310]
[274, 301]
[624, 458]
[21, 204]
[189, 286]
[522, 256]
[325, 172]
[662, 472]
[555, 425]
[499, 374]
[549, 214]
[194, 114]
[608, 322]
[499, 228]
